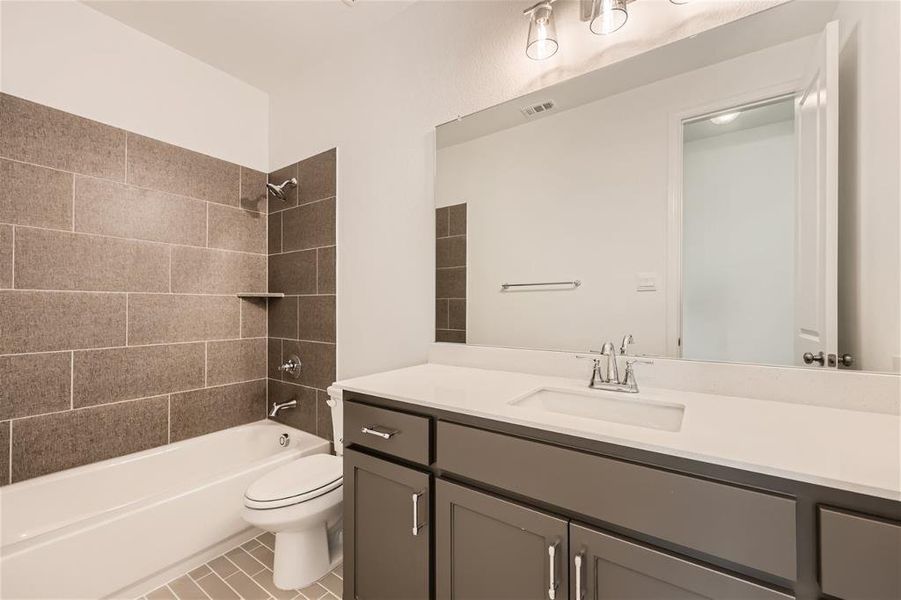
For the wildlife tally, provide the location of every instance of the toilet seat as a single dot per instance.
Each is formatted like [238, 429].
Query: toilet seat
[300, 481]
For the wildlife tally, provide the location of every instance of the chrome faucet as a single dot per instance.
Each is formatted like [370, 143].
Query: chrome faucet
[607, 377]
[278, 407]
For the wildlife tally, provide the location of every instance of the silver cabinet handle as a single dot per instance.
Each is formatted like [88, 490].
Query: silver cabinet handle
[552, 568]
[578, 561]
[416, 525]
[372, 430]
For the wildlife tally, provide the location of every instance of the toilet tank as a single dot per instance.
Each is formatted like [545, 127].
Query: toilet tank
[337, 406]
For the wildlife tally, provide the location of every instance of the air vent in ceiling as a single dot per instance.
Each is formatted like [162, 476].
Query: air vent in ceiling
[537, 109]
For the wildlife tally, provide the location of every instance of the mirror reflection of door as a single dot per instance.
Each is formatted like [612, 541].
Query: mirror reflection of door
[759, 195]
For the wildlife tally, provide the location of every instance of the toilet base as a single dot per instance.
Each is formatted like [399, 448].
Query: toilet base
[303, 557]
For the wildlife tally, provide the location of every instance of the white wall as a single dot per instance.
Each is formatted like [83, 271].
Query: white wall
[738, 208]
[66, 55]
[869, 256]
[583, 194]
[379, 102]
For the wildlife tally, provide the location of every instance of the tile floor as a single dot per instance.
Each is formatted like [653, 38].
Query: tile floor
[245, 573]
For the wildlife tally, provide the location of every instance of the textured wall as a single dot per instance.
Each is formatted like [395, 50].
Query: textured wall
[302, 231]
[120, 258]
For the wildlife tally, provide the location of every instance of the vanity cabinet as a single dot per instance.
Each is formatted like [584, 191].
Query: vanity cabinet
[487, 547]
[387, 531]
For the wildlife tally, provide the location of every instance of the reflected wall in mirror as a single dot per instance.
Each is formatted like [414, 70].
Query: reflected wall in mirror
[729, 197]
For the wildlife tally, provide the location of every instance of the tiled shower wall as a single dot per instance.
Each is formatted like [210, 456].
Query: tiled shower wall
[302, 266]
[120, 258]
[450, 274]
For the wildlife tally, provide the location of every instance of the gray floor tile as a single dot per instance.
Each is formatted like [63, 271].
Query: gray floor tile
[313, 592]
[333, 583]
[216, 588]
[222, 566]
[199, 572]
[161, 593]
[247, 587]
[185, 589]
[250, 544]
[245, 562]
[268, 540]
[339, 571]
[264, 578]
[264, 555]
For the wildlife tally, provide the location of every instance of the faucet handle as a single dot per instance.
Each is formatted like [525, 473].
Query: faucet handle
[641, 361]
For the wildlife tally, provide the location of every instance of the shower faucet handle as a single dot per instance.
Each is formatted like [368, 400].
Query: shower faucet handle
[291, 366]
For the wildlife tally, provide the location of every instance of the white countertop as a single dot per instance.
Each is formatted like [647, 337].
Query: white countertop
[851, 450]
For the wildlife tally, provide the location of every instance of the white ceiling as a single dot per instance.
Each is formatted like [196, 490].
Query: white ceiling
[262, 42]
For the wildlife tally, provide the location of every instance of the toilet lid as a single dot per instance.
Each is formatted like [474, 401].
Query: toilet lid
[302, 480]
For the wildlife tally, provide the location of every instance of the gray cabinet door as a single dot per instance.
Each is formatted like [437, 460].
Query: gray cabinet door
[492, 549]
[604, 567]
[383, 504]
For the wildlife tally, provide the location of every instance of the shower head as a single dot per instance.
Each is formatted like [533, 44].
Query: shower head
[279, 190]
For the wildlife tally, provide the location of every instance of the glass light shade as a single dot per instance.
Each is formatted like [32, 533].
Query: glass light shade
[680, 1]
[725, 118]
[542, 41]
[608, 16]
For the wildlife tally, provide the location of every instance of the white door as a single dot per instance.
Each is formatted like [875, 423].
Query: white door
[816, 293]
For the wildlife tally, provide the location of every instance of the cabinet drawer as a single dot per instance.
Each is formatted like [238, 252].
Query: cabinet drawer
[859, 557]
[399, 434]
[735, 524]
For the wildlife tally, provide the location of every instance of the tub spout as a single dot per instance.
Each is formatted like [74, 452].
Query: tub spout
[277, 408]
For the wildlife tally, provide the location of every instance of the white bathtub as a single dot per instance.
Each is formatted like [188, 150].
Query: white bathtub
[103, 529]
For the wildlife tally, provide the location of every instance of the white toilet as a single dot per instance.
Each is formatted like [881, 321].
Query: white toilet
[301, 504]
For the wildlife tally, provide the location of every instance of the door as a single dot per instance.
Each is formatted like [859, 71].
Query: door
[493, 549]
[816, 256]
[604, 567]
[386, 529]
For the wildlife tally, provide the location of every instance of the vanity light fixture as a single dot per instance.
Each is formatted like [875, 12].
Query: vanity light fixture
[725, 118]
[608, 16]
[542, 42]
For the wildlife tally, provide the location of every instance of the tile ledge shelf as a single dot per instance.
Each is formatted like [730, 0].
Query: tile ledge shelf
[261, 295]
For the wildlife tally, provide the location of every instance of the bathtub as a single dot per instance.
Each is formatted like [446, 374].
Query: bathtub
[106, 529]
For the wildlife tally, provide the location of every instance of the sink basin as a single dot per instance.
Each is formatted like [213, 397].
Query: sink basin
[614, 407]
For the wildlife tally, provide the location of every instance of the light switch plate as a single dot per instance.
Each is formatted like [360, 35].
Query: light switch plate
[646, 282]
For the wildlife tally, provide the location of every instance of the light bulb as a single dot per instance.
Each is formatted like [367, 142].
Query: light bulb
[725, 118]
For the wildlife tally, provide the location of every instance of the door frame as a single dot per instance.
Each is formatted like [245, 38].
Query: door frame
[674, 195]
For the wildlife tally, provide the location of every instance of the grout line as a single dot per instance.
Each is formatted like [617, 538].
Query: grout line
[206, 364]
[298, 205]
[131, 185]
[134, 346]
[73, 202]
[127, 302]
[207, 225]
[72, 379]
[210, 295]
[299, 250]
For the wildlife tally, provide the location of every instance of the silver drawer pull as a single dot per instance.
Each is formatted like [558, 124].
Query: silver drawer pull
[552, 555]
[416, 525]
[578, 561]
[374, 430]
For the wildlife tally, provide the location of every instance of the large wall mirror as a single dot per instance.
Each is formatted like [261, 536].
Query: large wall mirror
[729, 197]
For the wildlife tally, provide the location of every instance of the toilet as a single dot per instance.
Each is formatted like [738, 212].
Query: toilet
[301, 504]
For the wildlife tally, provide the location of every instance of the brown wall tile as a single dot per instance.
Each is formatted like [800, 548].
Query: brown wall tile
[4, 453]
[309, 226]
[450, 251]
[6, 256]
[162, 318]
[237, 229]
[441, 313]
[43, 321]
[278, 177]
[34, 384]
[316, 177]
[212, 409]
[324, 416]
[160, 166]
[41, 135]
[57, 260]
[457, 219]
[302, 416]
[120, 210]
[253, 190]
[275, 233]
[113, 374]
[451, 282]
[204, 271]
[32, 195]
[442, 221]
[235, 360]
[456, 314]
[316, 318]
[293, 273]
[68, 439]
[318, 360]
[450, 335]
[283, 317]
[274, 352]
[253, 318]
[326, 271]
